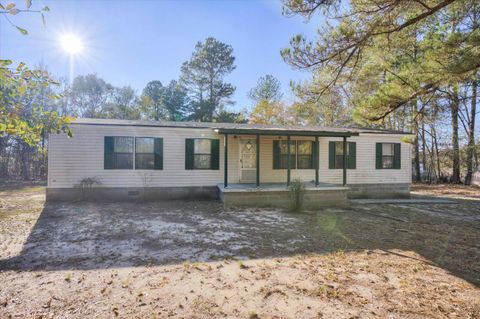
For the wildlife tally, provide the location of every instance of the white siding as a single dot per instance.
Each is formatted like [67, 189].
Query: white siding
[72, 159]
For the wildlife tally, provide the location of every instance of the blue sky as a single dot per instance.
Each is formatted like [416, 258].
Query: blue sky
[133, 42]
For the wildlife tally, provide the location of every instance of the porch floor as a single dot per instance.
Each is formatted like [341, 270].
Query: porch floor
[249, 187]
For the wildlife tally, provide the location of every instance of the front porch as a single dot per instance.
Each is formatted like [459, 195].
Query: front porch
[279, 195]
[260, 165]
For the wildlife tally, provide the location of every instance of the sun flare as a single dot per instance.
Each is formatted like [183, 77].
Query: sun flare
[71, 43]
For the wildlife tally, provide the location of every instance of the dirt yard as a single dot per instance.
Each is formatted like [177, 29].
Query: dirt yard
[194, 260]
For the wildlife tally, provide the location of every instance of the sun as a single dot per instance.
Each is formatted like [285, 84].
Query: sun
[71, 43]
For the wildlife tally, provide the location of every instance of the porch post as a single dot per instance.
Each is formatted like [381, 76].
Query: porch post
[225, 165]
[317, 158]
[288, 160]
[345, 161]
[258, 160]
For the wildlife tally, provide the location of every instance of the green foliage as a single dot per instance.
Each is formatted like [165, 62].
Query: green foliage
[22, 113]
[90, 94]
[230, 117]
[202, 77]
[266, 112]
[297, 191]
[165, 102]
[268, 88]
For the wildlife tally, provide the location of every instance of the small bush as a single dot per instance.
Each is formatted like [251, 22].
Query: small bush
[297, 190]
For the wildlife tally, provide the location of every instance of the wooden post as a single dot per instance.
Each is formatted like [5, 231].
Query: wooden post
[258, 160]
[288, 160]
[225, 161]
[317, 158]
[345, 161]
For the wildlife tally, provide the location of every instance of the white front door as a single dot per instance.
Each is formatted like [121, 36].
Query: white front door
[248, 160]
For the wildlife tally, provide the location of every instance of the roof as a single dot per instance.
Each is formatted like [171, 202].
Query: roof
[235, 128]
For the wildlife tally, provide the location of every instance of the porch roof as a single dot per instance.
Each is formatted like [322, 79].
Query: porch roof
[285, 132]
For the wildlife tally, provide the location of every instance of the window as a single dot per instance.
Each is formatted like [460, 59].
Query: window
[388, 156]
[202, 153]
[284, 154]
[122, 155]
[202, 156]
[301, 155]
[144, 153]
[335, 157]
[339, 154]
[305, 155]
[119, 152]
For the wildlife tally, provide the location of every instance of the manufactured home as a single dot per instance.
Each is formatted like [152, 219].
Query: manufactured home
[240, 164]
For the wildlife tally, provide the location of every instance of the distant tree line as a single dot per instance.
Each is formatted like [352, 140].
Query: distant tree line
[400, 65]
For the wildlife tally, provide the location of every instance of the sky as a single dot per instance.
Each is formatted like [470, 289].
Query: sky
[134, 42]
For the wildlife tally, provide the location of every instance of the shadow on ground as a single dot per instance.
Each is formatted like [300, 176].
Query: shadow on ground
[107, 235]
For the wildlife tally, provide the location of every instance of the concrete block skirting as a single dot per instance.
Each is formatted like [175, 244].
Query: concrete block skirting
[132, 193]
[282, 198]
[379, 191]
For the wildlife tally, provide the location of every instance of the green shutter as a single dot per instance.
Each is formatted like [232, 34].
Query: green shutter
[378, 156]
[108, 153]
[158, 149]
[276, 154]
[331, 155]
[352, 155]
[189, 147]
[215, 154]
[396, 158]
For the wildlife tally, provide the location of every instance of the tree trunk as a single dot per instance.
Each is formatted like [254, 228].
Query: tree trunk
[416, 150]
[455, 104]
[471, 133]
[25, 167]
[424, 155]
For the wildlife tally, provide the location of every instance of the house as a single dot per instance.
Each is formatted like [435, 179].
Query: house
[242, 164]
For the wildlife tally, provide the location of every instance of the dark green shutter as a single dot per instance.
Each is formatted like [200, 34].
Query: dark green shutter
[276, 154]
[108, 162]
[352, 155]
[158, 149]
[331, 155]
[378, 156]
[315, 154]
[189, 147]
[396, 158]
[215, 154]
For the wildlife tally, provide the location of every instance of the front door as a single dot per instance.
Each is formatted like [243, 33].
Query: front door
[248, 160]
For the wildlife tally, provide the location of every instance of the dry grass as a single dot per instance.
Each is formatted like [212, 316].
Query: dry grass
[447, 190]
[402, 275]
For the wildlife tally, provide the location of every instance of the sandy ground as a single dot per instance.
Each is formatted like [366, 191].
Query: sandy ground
[194, 260]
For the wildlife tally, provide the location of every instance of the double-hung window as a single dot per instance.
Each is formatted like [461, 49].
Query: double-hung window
[336, 155]
[119, 152]
[202, 153]
[305, 155]
[144, 153]
[388, 156]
